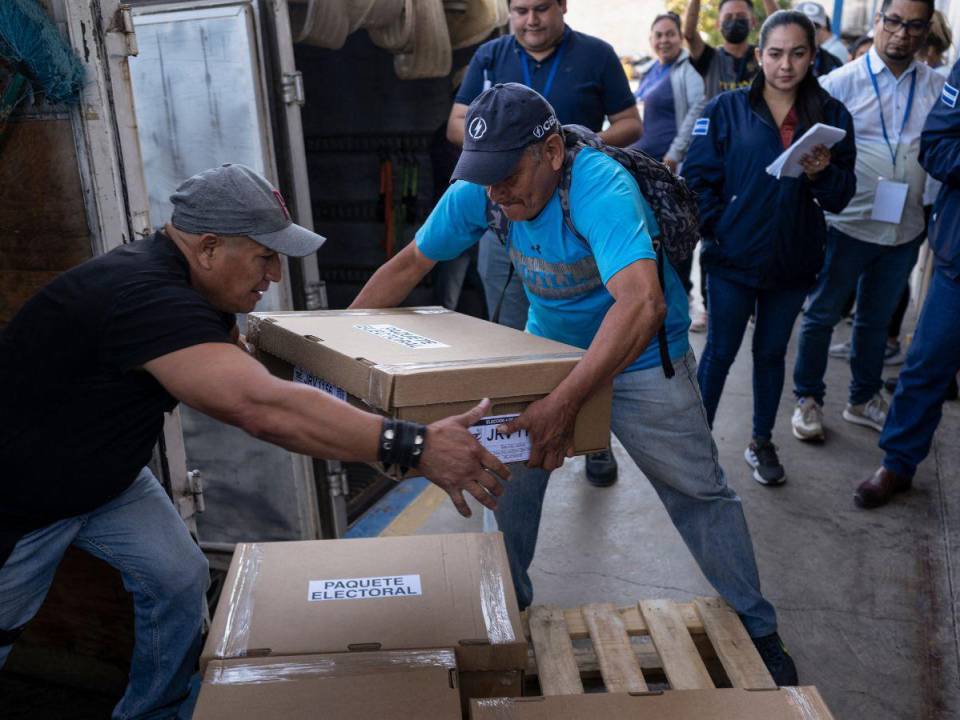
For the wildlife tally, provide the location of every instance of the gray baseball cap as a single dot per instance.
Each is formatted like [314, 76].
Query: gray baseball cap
[234, 200]
[501, 122]
[814, 11]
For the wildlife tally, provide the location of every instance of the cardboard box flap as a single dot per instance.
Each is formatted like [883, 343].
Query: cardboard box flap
[345, 688]
[792, 703]
[330, 596]
[399, 357]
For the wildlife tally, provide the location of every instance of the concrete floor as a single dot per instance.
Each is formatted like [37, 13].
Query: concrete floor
[868, 601]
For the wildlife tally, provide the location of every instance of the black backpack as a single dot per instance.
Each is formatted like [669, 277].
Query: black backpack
[672, 202]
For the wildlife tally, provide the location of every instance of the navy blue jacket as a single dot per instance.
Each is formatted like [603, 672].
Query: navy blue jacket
[940, 156]
[757, 230]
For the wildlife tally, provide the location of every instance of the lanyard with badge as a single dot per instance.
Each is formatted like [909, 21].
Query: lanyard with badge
[557, 57]
[891, 196]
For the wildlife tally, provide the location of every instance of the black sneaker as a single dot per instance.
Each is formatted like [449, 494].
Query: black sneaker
[762, 457]
[601, 468]
[778, 661]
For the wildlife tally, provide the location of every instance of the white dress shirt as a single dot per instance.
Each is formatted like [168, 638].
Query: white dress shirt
[852, 86]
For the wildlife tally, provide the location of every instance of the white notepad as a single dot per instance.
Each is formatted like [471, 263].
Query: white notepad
[788, 163]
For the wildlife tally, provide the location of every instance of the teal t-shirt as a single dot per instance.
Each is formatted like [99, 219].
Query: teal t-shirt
[567, 299]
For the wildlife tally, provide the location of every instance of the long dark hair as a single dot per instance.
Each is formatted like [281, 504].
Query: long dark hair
[810, 96]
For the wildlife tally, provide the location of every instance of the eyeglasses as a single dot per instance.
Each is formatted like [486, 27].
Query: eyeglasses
[915, 28]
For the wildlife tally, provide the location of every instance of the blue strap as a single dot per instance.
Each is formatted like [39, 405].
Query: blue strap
[906, 115]
[557, 57]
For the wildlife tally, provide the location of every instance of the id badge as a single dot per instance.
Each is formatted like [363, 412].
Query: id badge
[889, 201]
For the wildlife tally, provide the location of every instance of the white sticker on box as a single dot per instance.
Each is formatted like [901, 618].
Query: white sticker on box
[366, 588]
[508, 448]
[400, 336]
[308, 378]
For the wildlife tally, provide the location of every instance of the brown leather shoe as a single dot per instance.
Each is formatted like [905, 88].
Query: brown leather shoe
[879, 488]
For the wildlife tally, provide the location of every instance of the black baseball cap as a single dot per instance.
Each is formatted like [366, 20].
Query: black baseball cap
[236, 200]
[500, 124]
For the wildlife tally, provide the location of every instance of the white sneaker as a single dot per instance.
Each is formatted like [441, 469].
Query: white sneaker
[698, 322]
[840, 350]
[871, 414]
[807, 420]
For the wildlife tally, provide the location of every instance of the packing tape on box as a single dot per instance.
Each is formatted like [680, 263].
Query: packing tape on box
[236, 632]
[340, 665]
[799, 697]
[381, 376]
[493, 596]
[496, 708]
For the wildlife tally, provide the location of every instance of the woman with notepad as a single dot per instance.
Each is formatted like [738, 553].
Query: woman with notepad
[763, 227]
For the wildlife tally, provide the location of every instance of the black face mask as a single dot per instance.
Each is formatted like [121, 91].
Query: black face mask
[735, 30]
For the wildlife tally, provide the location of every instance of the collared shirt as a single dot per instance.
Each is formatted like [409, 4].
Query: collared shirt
[588, 85]
[851, 85]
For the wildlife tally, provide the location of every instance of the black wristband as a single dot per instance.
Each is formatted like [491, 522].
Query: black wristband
[401, 443]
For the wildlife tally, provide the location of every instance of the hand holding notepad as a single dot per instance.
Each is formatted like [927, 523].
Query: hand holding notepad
[788, 163]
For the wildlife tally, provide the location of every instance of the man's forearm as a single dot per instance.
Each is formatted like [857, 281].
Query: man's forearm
[393, 281]
[622, 132]
[691, 19]
[626, 331]
[305, 420]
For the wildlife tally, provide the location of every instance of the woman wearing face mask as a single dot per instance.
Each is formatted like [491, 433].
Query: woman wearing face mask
[764, 238]
[671, 93]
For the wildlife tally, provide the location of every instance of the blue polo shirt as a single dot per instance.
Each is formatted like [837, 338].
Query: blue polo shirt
[567, 299]
[588, 85]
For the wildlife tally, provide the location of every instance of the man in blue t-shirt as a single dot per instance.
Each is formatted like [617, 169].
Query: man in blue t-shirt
[607, 299]
[581, 77]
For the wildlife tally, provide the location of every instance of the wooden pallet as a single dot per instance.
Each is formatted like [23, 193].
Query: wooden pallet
[679, 637]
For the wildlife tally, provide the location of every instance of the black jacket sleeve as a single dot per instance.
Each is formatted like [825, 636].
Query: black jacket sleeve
[704, 166]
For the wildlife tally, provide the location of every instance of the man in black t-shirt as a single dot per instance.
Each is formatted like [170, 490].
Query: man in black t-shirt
[91, 363]
[734, 64]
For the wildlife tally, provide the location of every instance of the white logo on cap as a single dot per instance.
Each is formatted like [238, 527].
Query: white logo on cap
[540, 130]
[478, 128]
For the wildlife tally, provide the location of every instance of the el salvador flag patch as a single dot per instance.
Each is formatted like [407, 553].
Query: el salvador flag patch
[949, 95]
[702, 126]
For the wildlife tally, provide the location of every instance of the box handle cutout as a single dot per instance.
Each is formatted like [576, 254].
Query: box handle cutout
[363, 647]
[313, 338]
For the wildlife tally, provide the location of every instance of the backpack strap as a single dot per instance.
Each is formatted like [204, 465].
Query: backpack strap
[499, 224]
[564, 192]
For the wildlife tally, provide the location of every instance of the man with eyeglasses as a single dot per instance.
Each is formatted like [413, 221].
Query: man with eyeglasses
[872, 245]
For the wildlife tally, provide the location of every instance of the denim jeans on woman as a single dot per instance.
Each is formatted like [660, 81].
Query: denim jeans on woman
[731, 305]
[662, 426]
[140, 534]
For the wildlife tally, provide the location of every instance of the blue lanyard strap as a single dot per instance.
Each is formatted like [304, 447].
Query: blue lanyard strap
[557, 57]
[906, 115]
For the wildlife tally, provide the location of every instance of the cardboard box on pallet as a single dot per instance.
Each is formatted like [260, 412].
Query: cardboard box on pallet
[392, 593]
[346, 686]
[423, 364]
[803, 703]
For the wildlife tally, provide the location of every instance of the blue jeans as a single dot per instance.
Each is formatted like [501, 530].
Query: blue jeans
[140, 534]
[663, 427]
[493, 265]
[731, 305]
[933, 359]
[878, 273]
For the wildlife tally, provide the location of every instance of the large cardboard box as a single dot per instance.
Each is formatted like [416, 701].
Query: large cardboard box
[803, 703]
[423, 364]
[348, 686]
[394, 593]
